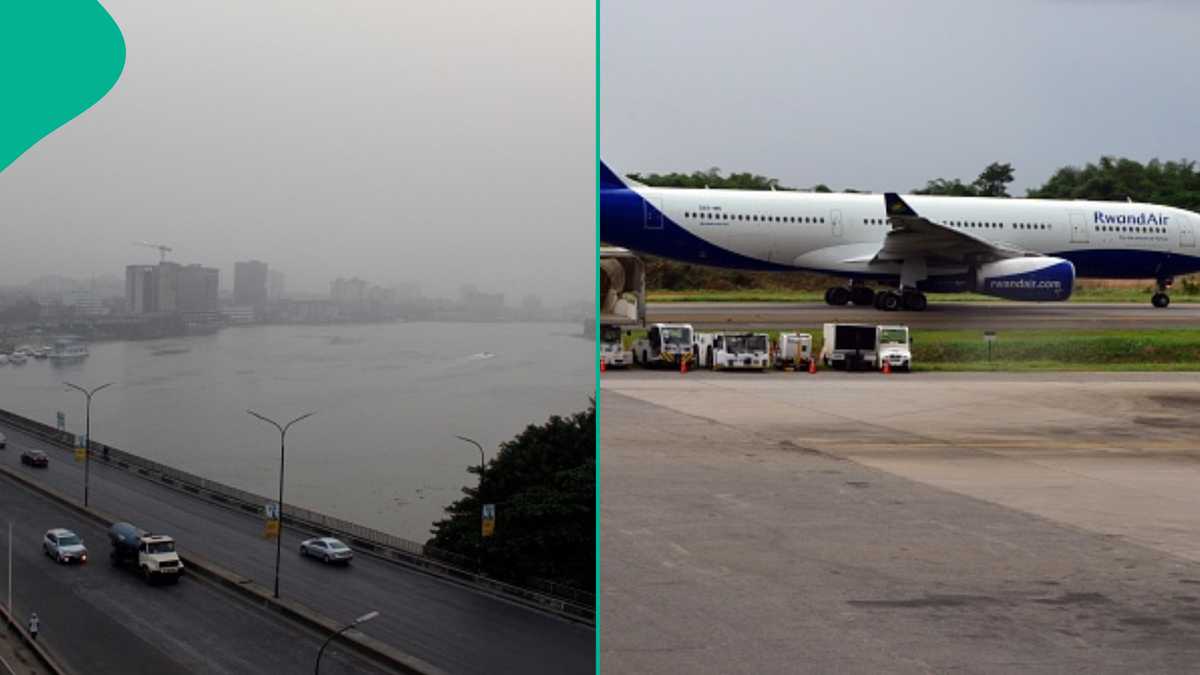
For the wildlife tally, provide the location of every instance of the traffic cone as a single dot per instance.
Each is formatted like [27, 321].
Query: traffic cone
[887, 368]
[602, 366]
[682, 366]
[812, 366]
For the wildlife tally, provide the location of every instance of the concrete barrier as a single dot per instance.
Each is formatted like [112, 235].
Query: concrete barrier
[195, 565]
[39, 650]
[568, 603]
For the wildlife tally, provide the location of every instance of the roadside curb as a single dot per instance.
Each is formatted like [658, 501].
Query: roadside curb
[41, 652]
[366, 646]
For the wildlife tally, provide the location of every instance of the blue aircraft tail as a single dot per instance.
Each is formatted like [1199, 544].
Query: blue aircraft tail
[610, 180]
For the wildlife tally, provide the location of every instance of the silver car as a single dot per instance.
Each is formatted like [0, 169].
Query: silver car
[326, 549]
[64, 546]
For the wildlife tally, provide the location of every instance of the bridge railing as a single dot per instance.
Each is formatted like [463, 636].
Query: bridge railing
[549, 595]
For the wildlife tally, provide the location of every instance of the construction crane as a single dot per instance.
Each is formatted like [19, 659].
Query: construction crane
[162, 250]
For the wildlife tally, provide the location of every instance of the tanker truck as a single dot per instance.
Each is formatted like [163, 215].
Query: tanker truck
[622, 302]
[152, 555]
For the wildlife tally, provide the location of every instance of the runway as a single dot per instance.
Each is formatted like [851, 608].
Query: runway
[945, 315]
[861, 523]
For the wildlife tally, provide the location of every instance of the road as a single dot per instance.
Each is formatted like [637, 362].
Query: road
[446, 624]
[862, 523]
[100, 619]
[945, 315]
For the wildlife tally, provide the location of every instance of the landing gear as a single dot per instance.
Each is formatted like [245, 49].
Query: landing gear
[1160, 299]
[862, 296]
[888, 301]
[914, 301]
[838, 295]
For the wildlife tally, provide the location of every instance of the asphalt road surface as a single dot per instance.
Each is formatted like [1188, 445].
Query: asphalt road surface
[944, 315]
[446, 624]
[925, 523]
[97, 618]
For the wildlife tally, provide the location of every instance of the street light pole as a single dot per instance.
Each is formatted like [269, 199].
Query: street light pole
[279, 535]
[464, 438]
[87, 435]
[362, 619]
[478, 495]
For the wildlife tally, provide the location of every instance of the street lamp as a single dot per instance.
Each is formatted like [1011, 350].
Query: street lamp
[362, 619]
[478, 495]
[87, 435]
[279, 535]
[464, 438]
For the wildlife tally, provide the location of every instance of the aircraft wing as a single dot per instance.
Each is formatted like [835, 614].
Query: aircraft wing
[914, 235]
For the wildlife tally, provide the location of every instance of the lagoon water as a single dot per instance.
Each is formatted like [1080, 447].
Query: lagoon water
[389, 401]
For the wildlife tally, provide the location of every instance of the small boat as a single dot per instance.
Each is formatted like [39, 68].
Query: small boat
[66, 349]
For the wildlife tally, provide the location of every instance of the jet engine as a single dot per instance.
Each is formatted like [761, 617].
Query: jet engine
[1040, 278]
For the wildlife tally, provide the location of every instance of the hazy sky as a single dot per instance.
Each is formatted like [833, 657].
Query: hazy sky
[886, 95]
[439, 142]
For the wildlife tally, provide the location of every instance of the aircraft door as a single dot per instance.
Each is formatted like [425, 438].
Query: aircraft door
[1187, 236]
[835, 219]
[1079, 228]
[653, 213]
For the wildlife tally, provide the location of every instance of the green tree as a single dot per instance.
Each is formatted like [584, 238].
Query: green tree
[1118, 179]
[994, 180]
[543, 483]
[711, 178]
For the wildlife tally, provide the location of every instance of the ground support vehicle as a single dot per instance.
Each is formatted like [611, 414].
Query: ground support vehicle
[793, 351]
[866, 347]
[612, 349]
[732, 351]
[665, 344]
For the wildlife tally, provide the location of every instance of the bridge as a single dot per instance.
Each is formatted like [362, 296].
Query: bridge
[433, 617]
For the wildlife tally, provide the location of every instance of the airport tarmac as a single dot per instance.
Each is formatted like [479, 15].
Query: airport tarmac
[906, 523]
[939, 315]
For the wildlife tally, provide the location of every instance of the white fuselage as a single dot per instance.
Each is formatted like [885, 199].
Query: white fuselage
[839, 234]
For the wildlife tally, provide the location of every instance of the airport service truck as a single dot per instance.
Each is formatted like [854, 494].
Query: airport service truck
[622, 302]
[153, 555]
[733, 351]
[612, 349]
[793, 350]
[854, 346]
[665, 344]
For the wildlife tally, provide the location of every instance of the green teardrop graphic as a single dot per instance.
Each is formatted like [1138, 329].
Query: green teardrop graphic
[57, 59]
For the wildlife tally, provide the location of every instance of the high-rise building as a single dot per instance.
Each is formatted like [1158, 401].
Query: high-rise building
[141, 289]
[275, 285]
[250, 283]
[166, 280]
[198, 289]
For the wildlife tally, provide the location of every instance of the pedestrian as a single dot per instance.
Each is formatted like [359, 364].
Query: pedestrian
[33, 625]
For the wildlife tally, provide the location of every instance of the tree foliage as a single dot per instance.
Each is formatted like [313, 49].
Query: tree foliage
[1112, 178]
[543, 483]
[992, 182]
[711, 178]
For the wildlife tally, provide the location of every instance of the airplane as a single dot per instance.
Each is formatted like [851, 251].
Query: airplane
[1018, 249]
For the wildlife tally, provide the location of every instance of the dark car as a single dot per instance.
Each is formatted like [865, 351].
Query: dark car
[35, 458]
